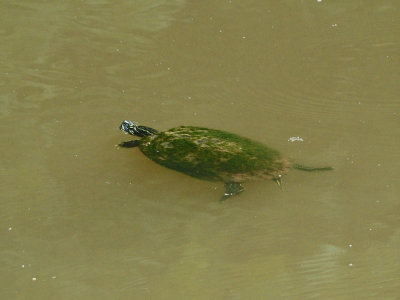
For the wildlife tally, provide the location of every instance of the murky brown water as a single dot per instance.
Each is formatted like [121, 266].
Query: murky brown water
[82, 219]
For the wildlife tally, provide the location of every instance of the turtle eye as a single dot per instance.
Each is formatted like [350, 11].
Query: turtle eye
[130, 124]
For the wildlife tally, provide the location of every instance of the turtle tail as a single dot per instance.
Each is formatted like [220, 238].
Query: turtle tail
[311, 169]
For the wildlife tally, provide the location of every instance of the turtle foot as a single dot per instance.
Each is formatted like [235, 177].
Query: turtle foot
[232, 189]
[130, 144]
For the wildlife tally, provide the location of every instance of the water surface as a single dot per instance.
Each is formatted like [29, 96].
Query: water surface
[82, 219]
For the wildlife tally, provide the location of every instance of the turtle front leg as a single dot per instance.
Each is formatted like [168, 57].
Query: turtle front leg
[130, 144]
[232, 189]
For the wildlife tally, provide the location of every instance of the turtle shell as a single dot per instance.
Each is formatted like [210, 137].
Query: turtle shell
[214, 155]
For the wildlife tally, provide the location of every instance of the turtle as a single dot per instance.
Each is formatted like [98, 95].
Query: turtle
[211, 154]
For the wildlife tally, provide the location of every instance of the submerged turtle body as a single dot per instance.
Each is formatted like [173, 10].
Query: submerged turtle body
[210, 154]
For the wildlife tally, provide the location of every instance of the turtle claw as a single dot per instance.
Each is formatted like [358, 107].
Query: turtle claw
[278, 180]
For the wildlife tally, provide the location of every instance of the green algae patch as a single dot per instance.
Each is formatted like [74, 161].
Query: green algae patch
[212, 154]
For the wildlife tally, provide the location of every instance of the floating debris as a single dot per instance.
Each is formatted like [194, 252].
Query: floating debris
[295, 139]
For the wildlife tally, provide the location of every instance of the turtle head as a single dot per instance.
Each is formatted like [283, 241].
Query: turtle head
[131, 128]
